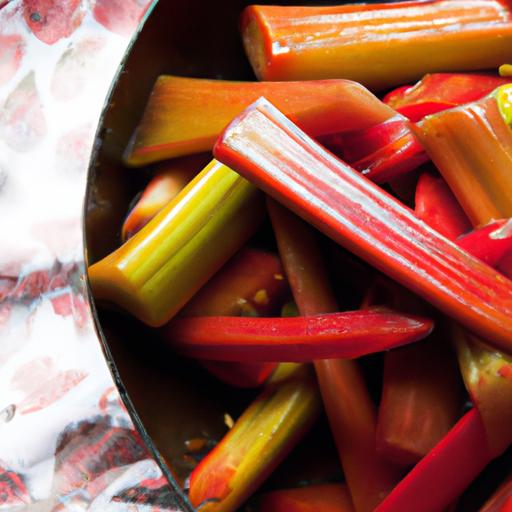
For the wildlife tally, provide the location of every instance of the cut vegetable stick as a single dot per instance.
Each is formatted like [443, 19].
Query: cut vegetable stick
[158, 270]
[349, 407]
[488, 378]
[381, 152]
[486, 372]
[420, 400]
[263, 145]
[472, 147]
[490, 243]
[314, 498]
[440, 91]
[295, 339]
[256, 444]
[437, 206]
[442, 475]
[252, 283]
[185, 115]
[170, 178]
[378, 45]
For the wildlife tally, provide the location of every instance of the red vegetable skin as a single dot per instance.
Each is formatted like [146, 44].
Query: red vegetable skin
[420, 400]
[443, 474]
[252, 283]
[439, 91]
[186, 115]
[438, 207]
[349, 407]
[382, 152]
[489, 243]
[265, 147]
[314, 498]
[295, 339]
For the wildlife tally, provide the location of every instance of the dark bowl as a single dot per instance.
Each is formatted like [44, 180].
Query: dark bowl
[169, 398]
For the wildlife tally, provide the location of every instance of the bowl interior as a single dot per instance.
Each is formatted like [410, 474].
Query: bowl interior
[175, 399]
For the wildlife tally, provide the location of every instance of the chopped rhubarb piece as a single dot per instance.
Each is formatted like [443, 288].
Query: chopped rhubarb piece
[377, 44]
[158, 270]
[420, 400]
[442, 475]
[471, 146]
[252, 283]
[488, 378]
[267, 148]
[259, 440]
[437, 206]
[381, 152]
[490, 243]
[186, 115]
[440, 91]
[348, 404]
[295, 339]
[169, 180]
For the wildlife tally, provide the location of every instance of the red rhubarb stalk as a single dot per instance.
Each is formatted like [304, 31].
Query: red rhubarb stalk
[252, 283]
[420, 400]
[382, 152]
[439, 91]
[437, 206]
[349, 407]
[298, 339]
[443, 474]
[268, 149]
[489, 243]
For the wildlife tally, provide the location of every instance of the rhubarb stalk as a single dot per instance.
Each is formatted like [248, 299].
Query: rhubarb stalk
[267, 148]
[378, 45]
[256, 444]
[158, 270]
[472, 147]
[350, 410]
[186, 115]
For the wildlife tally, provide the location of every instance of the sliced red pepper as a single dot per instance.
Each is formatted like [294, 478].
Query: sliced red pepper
[267, 148]
[300, 339]
[438, 207]
[381, 152]
[314, 498]
[440, 91]
[349, 407]
[443, 474]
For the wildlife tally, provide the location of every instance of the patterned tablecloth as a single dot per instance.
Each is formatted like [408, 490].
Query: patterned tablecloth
[66, 440]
